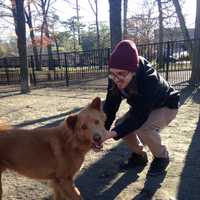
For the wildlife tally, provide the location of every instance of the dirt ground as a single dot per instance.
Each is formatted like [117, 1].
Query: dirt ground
[99, 178]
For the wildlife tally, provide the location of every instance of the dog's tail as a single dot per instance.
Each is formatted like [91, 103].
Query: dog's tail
[4, 126]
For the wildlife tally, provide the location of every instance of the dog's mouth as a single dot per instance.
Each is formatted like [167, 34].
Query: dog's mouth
[97, 142]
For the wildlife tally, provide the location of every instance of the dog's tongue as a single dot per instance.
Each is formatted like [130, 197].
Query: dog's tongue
[97, 145]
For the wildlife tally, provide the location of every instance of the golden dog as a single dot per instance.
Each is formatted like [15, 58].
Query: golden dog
[54, 154]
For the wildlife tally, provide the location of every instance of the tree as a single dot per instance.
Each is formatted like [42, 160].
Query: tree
[72, 26]
[161, 29]
[44, 6]
[89, 37]
[125, 32]
[20, 28]
[195, 77]
[77, 18]
[95, 11]
[104, 35]
[115, 22]
[140, 24]
[52, 24]
[63, 40]
[183, 25]
[28, 15]
[5, 10]
[3, 49]
[78, 22]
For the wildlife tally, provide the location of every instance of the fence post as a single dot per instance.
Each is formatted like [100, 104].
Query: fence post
[66, 71]
[7, 70]
[168, 59]
[109, 53]
[33, 70]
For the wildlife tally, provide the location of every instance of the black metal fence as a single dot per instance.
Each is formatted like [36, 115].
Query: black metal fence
[172, 60]
[73, 66]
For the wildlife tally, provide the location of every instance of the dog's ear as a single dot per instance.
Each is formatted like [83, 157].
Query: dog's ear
[96, 103]
[71, 121]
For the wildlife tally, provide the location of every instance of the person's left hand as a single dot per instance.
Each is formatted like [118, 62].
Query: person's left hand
[109, 135]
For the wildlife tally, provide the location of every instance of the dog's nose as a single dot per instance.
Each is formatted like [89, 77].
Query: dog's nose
[96, 137]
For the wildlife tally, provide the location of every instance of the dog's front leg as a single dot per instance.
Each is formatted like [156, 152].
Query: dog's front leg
[0, 186]
[69, 190]
[59, 156]
[58, 194]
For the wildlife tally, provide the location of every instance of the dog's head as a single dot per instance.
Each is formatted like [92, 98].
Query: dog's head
[88, 124]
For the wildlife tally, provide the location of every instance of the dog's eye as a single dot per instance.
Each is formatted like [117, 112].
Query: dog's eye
[84, 127]
[96, 122]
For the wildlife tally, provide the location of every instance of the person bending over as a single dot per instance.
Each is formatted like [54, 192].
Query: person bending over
[153, 105]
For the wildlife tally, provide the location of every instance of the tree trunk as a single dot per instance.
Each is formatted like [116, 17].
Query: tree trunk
[95, 11]
[49, 48]
[195, 77]
[41, 45]
[115, 22]
[32, 35]
[21, 43]
[74, 35]
[35, 51]
[161, 30]
[97, 25]
[183, 26]
[78, 21]
[125, 32]
[45, 7]
[57, 50]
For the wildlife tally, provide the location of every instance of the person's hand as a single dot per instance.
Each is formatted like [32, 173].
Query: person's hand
[109, 135]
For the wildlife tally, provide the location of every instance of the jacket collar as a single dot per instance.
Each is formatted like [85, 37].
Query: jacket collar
[131, 88]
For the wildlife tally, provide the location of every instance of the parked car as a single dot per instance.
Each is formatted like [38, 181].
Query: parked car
[181, 55]
[166, 59]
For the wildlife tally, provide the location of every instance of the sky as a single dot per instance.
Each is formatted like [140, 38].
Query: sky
[66, 10]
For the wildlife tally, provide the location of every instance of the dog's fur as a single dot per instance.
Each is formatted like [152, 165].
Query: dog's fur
[54, 154]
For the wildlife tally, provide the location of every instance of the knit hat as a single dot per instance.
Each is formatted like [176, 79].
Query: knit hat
[124, 56]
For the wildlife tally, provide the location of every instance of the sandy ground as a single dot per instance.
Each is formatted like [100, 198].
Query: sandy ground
[99, 178]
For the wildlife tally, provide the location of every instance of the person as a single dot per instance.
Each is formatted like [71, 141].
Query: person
[153, 105]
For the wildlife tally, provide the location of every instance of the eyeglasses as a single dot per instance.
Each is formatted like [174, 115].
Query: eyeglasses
[118, 75]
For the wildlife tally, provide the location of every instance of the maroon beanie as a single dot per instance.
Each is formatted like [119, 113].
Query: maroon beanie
[124, 56]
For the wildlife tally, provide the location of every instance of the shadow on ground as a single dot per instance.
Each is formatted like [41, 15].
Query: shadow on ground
[190, 177]
[152, 184]
[57, 118]
[103, 181]
[189, 92]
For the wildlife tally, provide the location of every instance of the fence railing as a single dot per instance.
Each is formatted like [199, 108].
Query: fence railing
[63, 66]
[172, 59]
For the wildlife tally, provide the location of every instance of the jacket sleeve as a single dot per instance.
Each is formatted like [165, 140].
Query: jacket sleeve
[153, 93]
[131, 123]
[111, 104]
[141, 109]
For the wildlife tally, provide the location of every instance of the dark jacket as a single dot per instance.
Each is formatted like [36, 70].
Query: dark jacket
[147, 91]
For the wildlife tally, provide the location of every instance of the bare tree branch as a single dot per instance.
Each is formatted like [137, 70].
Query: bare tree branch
[89, 1]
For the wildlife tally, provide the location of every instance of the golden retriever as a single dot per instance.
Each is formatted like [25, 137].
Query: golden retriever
[54, 154]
